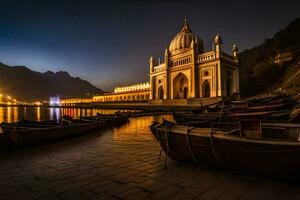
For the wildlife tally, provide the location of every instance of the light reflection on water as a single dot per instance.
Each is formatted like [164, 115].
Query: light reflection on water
[137, 128]
[13, 114]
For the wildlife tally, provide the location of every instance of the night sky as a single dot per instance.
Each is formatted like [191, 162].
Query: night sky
[109, 42]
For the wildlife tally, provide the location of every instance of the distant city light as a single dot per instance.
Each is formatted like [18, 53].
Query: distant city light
[54, 101]
[37, 103]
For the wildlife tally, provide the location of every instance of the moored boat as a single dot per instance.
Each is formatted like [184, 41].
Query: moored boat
[25, 133]
[268, 149]
[111, 119]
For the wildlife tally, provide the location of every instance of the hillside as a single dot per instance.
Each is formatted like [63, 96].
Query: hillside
[26, 84]
[259, 74]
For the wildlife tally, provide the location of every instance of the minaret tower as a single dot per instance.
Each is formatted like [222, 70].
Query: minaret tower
[218, 42]
[235, 52]
[151, 66]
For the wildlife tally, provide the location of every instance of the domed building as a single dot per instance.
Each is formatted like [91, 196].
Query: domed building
[188, 72]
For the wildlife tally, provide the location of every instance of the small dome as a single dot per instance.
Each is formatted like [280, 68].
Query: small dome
[184, 38]
[218, 39]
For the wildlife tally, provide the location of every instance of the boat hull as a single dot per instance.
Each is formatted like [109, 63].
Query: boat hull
[110, 120]
[271, 158]
[274, 160]
[27, 136]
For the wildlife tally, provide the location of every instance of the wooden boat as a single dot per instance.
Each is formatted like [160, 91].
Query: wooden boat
[145, 113]
[110, 119]
[268, 149]
[271, 107]
[279, 112]
[201, 120]
[26, 133]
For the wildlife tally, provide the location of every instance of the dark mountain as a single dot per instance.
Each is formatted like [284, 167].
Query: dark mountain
[26, 84]
[258, 72]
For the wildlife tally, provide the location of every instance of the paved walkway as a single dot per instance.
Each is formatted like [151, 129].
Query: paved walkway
[122, 164]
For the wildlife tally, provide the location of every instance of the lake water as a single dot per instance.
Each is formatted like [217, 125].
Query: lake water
[13, 114]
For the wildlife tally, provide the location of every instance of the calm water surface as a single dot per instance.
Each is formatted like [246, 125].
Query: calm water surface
[13, 114]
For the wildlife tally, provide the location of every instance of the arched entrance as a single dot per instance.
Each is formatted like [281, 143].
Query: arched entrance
[160, 92]
[180, 87]
[206, 89]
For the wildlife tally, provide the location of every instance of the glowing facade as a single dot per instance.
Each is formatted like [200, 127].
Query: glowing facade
[133, 88]
[136, 92]
[190, 72]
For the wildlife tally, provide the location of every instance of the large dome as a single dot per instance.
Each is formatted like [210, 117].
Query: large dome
[184, 38]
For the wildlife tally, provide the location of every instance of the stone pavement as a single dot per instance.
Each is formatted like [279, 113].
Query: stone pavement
[122, 163]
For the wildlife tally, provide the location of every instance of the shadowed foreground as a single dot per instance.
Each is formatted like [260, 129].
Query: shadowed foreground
[122, 164]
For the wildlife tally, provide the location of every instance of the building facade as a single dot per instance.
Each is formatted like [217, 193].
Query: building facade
[136, 92]
[190, 72]
[283, 55]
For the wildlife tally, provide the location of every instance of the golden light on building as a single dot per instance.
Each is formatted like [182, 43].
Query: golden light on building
[133, 88]
[136, 92]
[189, 71]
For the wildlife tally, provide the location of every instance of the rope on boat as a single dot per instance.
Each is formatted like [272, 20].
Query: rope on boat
[159, 141]
[167, 146]
[163, 135]
[214, 150]
[189, 145]
[167, 127]
[159, 136]
[221, 111]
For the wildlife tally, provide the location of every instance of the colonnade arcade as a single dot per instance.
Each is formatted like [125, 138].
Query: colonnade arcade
[137, 96]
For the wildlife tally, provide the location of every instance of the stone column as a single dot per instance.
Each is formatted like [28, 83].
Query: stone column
[219, 80]
[151, 66]
[166, 89]
[193, 71]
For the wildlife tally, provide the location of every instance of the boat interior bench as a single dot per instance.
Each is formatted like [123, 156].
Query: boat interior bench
[281, 131]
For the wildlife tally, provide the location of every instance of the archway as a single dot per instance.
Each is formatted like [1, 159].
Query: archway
[160, 92]
[180, 87]
[206, 89]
